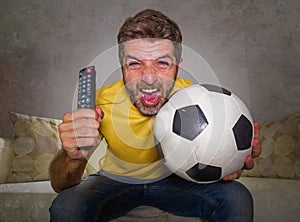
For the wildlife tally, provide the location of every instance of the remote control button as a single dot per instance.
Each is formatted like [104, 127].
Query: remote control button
[89, 71]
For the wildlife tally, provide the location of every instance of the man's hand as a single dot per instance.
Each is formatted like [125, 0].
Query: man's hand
[249, 162]
[78, 129]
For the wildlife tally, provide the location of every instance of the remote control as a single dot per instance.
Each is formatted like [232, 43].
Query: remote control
[87, 88]
[87, 91]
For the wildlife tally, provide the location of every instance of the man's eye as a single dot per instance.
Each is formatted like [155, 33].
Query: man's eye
[134, 65]
[162, 64]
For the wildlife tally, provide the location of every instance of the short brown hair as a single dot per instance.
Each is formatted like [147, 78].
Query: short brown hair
[150, 23]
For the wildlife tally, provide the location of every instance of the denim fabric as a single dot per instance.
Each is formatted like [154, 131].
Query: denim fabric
[99, 198]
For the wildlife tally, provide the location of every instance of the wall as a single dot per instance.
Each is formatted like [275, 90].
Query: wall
[252, 47]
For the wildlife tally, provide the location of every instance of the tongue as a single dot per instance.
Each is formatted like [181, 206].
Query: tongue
[150, 99]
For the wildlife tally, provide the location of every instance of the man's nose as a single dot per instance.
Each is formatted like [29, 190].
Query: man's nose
[149, 79]
[149, 74]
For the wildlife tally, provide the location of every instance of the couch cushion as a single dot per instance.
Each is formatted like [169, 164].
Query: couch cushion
[6, 156]
[35, 143]
[280, 157]
[151, 214]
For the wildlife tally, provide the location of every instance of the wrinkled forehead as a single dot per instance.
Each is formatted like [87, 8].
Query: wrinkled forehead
[148, 48]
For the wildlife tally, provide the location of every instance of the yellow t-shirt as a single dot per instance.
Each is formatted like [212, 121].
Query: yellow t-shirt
[131, 149]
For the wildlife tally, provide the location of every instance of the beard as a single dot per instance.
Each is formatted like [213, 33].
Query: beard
[149, 98]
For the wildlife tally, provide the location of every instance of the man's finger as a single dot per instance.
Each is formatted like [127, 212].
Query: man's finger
[249, 162]
[256, 129]
[80, 113]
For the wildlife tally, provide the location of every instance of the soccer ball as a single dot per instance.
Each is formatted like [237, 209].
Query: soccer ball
[203, 133]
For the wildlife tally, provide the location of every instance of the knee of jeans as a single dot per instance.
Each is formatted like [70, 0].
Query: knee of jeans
[236, 204]
[237, 195]
[69, 207]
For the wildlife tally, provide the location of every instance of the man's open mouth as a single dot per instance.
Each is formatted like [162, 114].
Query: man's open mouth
[150, 97]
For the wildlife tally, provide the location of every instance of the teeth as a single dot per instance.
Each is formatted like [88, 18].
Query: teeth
[149, 91]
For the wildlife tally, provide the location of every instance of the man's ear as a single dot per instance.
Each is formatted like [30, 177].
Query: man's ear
[179, 65]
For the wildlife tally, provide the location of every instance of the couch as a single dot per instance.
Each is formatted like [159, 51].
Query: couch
[26, 194]
[275, 200]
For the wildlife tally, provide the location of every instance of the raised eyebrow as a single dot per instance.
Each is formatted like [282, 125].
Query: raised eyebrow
[164, 57]
[140, 60]
[131, 57]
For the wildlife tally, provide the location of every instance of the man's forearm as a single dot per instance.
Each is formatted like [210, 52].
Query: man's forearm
[65, 172]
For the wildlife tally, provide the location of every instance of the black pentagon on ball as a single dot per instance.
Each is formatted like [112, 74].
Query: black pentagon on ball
[217, 89]
[243, 133]
[204, 173]
[189, 122]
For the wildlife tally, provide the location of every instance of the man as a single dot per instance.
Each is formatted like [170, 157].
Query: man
[132, 173]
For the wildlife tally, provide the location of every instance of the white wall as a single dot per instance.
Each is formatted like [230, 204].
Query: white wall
[252, 47]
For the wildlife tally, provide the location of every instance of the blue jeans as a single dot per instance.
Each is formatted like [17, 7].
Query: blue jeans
[99, 198]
